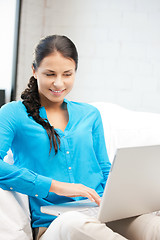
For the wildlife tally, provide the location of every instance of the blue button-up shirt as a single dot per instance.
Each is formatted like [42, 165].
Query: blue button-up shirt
[82, 157]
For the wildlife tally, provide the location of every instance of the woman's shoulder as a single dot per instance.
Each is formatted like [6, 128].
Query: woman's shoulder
[11, 113]
[14, 107]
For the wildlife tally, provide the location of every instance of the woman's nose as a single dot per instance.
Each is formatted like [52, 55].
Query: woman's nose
[58, 82]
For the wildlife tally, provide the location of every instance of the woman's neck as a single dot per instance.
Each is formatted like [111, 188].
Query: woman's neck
[56, 106]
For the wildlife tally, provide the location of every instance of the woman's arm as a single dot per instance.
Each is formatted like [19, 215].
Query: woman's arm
[14, 178]
[100, 146]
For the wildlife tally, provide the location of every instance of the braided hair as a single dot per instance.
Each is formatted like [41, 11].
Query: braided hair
[30, 95]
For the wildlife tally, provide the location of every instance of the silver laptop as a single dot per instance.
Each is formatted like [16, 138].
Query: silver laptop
[133, 187]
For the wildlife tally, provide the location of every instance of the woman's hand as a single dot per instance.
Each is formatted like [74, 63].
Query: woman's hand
[74, 190]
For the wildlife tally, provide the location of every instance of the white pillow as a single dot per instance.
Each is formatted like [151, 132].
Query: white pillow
[14, 220]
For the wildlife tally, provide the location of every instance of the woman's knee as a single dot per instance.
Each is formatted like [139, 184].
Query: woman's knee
[72, 219]
[64, 226]
[144, 227]
[71, 224]
[152, 228]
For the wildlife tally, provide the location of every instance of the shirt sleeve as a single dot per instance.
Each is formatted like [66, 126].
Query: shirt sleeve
[100, 146]
[12, 177]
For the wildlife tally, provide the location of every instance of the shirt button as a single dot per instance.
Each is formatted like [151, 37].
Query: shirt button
[67, 152]
[36, 195]
[11, 188]
[69, 168]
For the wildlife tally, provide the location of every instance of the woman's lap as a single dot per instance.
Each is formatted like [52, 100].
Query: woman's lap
[74, 225]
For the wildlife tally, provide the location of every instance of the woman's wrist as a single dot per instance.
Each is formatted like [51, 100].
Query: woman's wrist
[53, 187]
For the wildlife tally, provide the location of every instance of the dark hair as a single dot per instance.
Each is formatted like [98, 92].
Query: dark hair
[30, 96]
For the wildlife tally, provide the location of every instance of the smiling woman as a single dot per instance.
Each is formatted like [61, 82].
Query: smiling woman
[58, 145]
[54, 65]
[58, 148]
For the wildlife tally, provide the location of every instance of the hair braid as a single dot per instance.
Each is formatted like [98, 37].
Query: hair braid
[31, 101]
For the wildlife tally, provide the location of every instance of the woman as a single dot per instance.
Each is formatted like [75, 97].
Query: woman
[58, 146]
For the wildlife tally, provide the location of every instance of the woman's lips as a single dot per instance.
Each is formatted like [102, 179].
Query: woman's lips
[57, 92]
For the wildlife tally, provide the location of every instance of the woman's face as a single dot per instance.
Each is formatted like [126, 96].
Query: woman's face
[55, 78]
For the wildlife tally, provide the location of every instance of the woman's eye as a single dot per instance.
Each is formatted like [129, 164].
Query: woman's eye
[67, 74]
[50, 74]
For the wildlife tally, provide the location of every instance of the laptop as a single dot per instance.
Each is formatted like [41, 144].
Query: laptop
[132, 188]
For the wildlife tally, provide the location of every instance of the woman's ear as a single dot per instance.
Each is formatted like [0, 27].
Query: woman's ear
[34, 72]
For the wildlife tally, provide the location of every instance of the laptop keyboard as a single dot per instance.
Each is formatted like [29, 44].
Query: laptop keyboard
[92, 212]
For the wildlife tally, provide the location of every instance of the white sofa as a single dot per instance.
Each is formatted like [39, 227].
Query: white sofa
[122, 128]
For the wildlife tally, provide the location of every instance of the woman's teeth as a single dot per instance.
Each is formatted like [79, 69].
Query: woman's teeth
[56, 91]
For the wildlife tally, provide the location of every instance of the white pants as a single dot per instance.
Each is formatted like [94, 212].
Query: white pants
[77, 226]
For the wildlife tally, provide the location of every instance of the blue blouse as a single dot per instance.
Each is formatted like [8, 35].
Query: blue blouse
[82, 157]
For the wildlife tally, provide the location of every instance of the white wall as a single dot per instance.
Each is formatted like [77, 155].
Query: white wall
[7, 24]
[118, 43]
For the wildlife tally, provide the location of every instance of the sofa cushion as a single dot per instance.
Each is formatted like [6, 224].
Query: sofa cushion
[14, 220]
